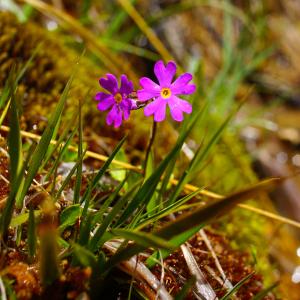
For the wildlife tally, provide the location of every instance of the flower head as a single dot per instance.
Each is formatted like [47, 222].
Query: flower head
[117, 100]
[165, 93]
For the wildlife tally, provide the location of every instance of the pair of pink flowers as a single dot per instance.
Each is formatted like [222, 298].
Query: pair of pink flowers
[120, 100]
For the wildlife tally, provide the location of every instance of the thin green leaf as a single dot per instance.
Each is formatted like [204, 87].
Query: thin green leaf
[176, 241]
[214, 209]
[77, 186]
[22, 218]
[85, 257]
[198, 217]
[198, 159]
[70, 174]
[166, 211]
[4, 112]
[69, 216]
[147, 190]
[144, 239]
[261, 295]
[85, 230]
[104, 168]
[15, 145]
[61, 153]
[228, 295]
[42, 147]
[62, 137]
[16, 167]
[109, 218]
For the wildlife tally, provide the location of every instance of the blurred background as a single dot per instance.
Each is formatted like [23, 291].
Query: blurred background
[244, 54]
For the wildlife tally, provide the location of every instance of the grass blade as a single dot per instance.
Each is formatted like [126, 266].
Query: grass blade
[69, 176]
[261, 295]
[42, 147]
[109, 218]
[196, 218]
[147, 190]
[77, 186]
[104, 168]
[215, 209]
[16, 166]
[143, 239]
[228, 295]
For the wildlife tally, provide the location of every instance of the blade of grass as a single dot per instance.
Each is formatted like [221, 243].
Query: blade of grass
[77, 186]
[215, 209]
[69, 176]
[197, 160]
[61, 153]
[166, 211]
[176, 241]
[22, 218]
[15, 145]
[148, 188]
[69, 216]
[59, 142]
[42, 147]
[104, 167]
[261, 295]
[228, 295]
[144, 239]
[4, 112]
[16, 166]
[97, 240]
[197, 218]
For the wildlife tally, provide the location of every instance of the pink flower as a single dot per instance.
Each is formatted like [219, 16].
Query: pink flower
[117, 100]
[165, 93]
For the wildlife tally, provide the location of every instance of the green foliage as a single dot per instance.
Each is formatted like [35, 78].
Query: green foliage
[69, 216]
[140, 212]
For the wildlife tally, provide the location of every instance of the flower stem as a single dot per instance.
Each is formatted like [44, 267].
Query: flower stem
[151, 141]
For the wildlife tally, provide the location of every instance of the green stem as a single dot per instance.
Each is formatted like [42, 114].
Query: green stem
[151, 141]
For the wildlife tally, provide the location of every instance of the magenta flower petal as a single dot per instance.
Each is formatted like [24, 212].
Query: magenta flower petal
[150, 85]
[102, 96]
[144, 95]
[152, 107]
[165, 93]
[118, 99]
[181, 86]
[126, 106]
[110, 84]
[183, 105]
[160, 113]
[176, 114]
[106, 104]
[165, 74]
[114, 116]
[126, 85]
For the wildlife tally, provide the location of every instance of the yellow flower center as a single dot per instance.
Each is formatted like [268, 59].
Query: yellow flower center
[165, 93]
[118, 98]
